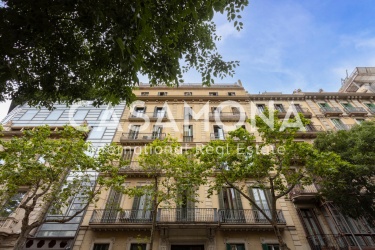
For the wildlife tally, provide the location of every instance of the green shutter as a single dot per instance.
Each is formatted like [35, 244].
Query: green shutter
[264, 246]
[228, 246]
[268, 195]
[238, 200]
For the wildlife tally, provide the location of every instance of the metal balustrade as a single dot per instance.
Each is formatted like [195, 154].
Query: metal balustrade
[134, 136]
[248, 216]
[304, 193]
[341, 241]
[227, 116]
[355, 111]
[218, 136]
[331, 111]
[148, 115]
[116, 216]
[187, 215]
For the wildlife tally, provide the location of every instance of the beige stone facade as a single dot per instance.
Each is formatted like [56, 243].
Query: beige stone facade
[195, 115]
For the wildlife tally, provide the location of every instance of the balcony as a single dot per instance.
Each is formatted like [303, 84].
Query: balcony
[247, 219]
[148, 116]
[331, 111]
[306, 112]
[311, 131]
[218, 136]
[343, 127]
[227, 116]
[307, 193]
[340, 241]
[355, 111]
[140, 138]
[107, 219]
[187, 138]
[193, 217]
[57, 243]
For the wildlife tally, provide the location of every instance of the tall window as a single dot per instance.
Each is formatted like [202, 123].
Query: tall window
[312, 226]
[338, 124]
[188, 111]
[280, 108]
[141, 209]
[133, 132]
[231, 205]
[233, 246]
[157, 132]
[139, 111]
[112, 206]
[11, 205]
[159, 112]
[261, 108]
[231, 93]
[188, 133]
[138, 246]
[188, 93]
[218, 133]
[262, 199]
[162, 93]
[298, 108]
[270, 247]
[127, 154]
[213, 93]
[324, 105]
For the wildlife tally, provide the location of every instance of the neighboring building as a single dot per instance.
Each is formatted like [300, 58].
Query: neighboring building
[195, 115]
[102, 122]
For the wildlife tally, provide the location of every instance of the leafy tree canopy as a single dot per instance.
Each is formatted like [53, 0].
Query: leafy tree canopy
[39, 162]
[71, 50]
[355, 179]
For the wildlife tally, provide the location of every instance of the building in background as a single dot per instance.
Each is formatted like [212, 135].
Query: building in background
[102, 122]
[196, 115]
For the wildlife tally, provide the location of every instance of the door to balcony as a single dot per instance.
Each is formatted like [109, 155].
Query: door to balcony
[187, 247]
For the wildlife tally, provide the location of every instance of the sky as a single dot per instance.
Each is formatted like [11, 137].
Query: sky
[291, 44]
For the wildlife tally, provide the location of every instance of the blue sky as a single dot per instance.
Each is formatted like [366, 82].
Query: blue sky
[291, 44]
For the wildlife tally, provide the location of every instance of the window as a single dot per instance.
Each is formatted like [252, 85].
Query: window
[162, 93]
[218, 133]
[338, 124]
[188, 133]
[312, 227]
[346, 105]
[112, 207]
[213, 93]
[29, 115]
[280, 108]
[97, 133]
[138, 246]
[101, 246]
[261, 108]
[144, 93]
[215, 110]
[106, 115]
[141, 209]
[139, 111]
[127, 154]
[185, 211]
[235, 110]
[133, 132]
[11, 205]
[188, 93]
[80, 114]
[159, 112]
[188, 111]
[231, 206]
[157, 132]
[270, 247]
[370, 105]
[298, 108]
[324, 105]
[231, 93]
[233, 246]
[262, 199]
[54, 115]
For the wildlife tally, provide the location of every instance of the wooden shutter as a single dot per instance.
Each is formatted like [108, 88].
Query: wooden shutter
[264, 246]
[238, 200]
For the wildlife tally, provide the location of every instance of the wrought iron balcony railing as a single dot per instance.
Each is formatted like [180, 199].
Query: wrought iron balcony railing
[355, 111]
[331, 111]
[121, 216]
[343, 127]
[187, 215]
[187, 138]
[304, 193]
[248, 216]
[372, 109]
[148, 115]
[310, 130]
[135, 136]
[218, 136]
[227, 116]
[341, 241]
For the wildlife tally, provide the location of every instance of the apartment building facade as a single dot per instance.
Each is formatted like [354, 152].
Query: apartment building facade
[196, 115]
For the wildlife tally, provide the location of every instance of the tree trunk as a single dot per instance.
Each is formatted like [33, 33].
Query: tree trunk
[154, 212]
[25, 230]
[282, 244]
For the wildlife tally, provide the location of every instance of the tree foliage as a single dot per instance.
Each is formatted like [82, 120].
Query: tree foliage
[55, 51]
[276, 163]
[40, 164]
[356, 177]
[171, 172]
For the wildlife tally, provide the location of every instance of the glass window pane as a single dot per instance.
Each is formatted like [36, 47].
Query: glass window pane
[54, 115]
